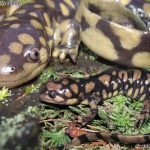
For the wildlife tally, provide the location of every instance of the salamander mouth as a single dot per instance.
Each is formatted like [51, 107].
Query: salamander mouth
[10, 83]
[47, 99]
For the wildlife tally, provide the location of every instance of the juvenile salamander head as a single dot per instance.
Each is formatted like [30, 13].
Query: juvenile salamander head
[63, 92]
[23, 52]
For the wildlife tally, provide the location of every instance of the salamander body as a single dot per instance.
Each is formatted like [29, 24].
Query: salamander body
[40, 29]
[94, 90]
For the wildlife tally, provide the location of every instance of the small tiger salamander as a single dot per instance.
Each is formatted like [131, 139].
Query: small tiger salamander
[95, 89]
[38, 30]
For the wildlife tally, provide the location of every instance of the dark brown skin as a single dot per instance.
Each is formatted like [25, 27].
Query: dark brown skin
[92, 91]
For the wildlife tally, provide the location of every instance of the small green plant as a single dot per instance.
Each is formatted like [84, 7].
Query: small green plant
[4, 92]
[55, 137]
[49, 72]
[31, 88]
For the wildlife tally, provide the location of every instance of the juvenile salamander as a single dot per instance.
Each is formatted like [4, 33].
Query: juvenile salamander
[43, 28]
[94, 90]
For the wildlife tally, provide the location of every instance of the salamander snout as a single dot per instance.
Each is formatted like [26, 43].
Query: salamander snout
[59, 92]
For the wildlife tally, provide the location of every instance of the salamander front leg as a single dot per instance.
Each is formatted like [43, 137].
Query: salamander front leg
[144, 114]
[67, 40]
[82, 121]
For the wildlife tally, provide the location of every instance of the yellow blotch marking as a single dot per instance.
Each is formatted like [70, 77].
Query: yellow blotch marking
[136, 93]
[33, 14]
[19, 12]
[105, 79]
[64, 9]
[130, 92]
[47, 19]
[105, 46]
[141, 59]
[129, 38]
[93, 105]
[25, 38]
[91, 18]
[50, 44]
[4, 60]
[29, 67]
[38, 6]
[58, 99]
[51, 3]
[43, 55]
[143, 97]
[16, 47]
[115, 85]
[123, 75]
[127, 86]
[141, 89]
[36, 24]
[146, 8]
[53, 86]
[130, 80]
[125, 2]
[89, 87]
[110, 94]
[55, 22]
[85, 102]
[12, 18]
[55, 53]
[68, 94]
[11, 9]
[72, 101]
[15, 26]
[137, 75]
[49, 31]
[42, 41]
[104, 94]
[74, 88]
[115, 93]
[70, 3]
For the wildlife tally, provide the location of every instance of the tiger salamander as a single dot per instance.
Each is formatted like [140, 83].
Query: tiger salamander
[94, 90]
[37, 30]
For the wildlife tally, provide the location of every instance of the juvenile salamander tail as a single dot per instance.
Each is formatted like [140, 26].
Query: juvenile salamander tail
[107, 136]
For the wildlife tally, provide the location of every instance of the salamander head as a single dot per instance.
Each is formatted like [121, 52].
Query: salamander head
[22, 54]
[64, 92]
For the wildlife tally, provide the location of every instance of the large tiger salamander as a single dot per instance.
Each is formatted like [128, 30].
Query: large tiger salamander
[40, 29]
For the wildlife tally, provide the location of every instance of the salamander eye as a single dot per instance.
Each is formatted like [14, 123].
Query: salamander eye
[52, 94]
[34, 54]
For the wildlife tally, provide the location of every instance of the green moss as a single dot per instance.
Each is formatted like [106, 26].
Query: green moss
[4, 92]
[121, 115]
[31, 88]
[56, 137]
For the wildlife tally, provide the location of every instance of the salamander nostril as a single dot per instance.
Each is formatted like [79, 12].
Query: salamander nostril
[52, 94]
[12, 69]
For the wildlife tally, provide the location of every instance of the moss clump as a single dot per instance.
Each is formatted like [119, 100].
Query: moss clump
[4, 92]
